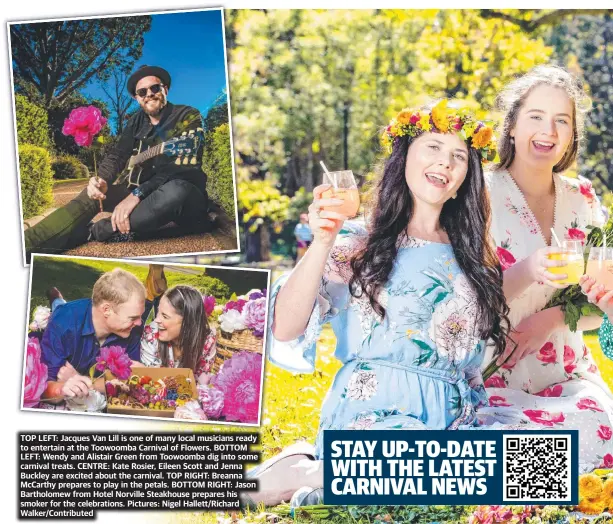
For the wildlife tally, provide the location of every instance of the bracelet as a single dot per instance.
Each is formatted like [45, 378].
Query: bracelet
[138, 193]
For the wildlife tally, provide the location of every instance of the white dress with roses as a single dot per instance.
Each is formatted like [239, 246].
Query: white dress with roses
[559, 387]
[416, 369]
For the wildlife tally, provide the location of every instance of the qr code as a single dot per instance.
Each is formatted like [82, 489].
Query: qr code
[536, 468]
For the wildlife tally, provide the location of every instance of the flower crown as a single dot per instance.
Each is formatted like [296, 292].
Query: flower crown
[441, 119]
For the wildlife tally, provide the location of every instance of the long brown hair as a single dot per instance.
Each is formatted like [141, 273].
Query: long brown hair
[187, 302]
[513, 96]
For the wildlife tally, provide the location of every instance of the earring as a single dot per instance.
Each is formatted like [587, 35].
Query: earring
[455, 196]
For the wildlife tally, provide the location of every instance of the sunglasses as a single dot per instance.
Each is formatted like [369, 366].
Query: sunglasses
[155, 89]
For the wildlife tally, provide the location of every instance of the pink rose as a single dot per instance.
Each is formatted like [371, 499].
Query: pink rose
[495, 381]
[569, 355]
[83, 124]
[254, 315]
[552, 391]
[604, 432]
[505, 257]
[35, 381]
[498, 401]
[544, 417]
[588, 403]
[190, 411]
[209, 304]
[574, 233]
[607, 461]
[569, 368]
[592, 368]
[414, 118]
[212, 400]
[586, 189]
[547, 354]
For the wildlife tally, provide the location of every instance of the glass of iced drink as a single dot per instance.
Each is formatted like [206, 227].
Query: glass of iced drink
[345, 189]
[573, 256]
[600, 266]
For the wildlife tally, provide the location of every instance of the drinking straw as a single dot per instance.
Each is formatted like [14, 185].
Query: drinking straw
[555, 237]
[327, 173]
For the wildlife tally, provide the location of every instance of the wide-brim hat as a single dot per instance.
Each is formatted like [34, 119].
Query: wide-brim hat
[144, 71]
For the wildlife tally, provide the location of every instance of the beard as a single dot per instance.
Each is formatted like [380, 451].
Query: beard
[156, 108]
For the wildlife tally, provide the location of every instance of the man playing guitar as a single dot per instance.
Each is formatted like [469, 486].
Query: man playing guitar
[160, 189]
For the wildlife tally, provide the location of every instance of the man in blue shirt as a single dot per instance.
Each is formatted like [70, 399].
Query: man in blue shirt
[78, 329]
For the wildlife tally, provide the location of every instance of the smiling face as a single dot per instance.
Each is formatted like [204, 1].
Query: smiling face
[544, 128]
[122, 318]
[151, 103]
[169, 321]
[436, 166]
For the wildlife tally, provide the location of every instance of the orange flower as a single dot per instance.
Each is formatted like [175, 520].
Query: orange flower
[482, 137]
[439, 116]
[591, 507]
[404, 117]
[590, 486]
[607, 493]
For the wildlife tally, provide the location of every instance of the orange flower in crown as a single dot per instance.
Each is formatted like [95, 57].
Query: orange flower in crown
[442, 119]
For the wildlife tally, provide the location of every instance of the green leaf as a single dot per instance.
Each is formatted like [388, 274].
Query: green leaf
[428, 290]
[423, 345]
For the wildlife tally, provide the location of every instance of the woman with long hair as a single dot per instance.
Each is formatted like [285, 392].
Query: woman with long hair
[180, 336]
[548, 376]
[412, 299]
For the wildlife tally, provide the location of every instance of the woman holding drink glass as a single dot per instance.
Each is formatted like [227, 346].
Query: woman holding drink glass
[411, 300]
[550, 378]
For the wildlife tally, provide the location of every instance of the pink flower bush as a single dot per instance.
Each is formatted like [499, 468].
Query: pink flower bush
[607, 461]
[209, 304]
[604, 433]
[544, 417]
[495, 381]
[506, 258]
[190, 411]
[254, 314]
[588, 403]
[35, 381]
[83, 124]
[116, 360]
[239, 381]
[551, 391]
[212, 400]
[547, 354]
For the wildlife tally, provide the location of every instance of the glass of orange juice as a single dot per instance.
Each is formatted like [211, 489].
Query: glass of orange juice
[573, 256]
[345, 189]
[600, 266]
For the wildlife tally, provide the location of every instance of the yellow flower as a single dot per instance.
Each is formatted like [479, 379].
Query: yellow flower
[424, 122]
[482, 137]
[469, 128]
[590, 486]
[404, 117]
[591, 507]
[607, 493]
[439, 116]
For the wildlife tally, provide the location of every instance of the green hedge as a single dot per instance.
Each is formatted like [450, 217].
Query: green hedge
[36, 179]
[217, 164]
[207, 285]
[68, 167]
[32, 123]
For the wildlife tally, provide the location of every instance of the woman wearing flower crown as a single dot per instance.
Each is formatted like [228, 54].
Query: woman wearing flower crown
[411, 300]
[180, 336]
[550, 378]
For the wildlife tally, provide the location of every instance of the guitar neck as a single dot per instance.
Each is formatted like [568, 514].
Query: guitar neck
[146, 155]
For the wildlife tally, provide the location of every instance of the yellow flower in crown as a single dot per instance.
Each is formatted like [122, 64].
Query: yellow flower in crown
[424, 122]
[440, 116]
[404, 117]
[482, 137]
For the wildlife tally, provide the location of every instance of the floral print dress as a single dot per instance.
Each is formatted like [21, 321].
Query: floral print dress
[150, 353]
[560, 385]
[416, 369]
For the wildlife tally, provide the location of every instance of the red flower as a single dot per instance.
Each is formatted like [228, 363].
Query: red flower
[551, 391]
[414, 118]
[544, 417]
[569, 368]
[607, 461]
[497, 401]
[83, 124]
[505, 257]
[587, 190]
[457, 124]
[569, 359]
[588, 403]
[604, 432]
[209, 304]
[35, 381]
[116, 360]
[495, 381]
[574, 233]
[547, 354]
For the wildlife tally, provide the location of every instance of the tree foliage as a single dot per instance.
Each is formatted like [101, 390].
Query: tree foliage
[217, 164]
[36, 179]
[32, 125]
[58, 58]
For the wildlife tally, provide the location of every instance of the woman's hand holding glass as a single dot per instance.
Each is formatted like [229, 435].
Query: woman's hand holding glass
[597, 294]
[540, 264]
[325, 223]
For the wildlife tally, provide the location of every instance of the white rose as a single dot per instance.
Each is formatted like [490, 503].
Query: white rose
[40, 318]
[231, 321]
[95, 402]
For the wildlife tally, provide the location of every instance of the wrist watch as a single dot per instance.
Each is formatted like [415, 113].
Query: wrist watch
[138, 193]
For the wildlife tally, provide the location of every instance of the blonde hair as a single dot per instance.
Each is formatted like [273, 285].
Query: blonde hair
[116, 287]
[513, 96]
